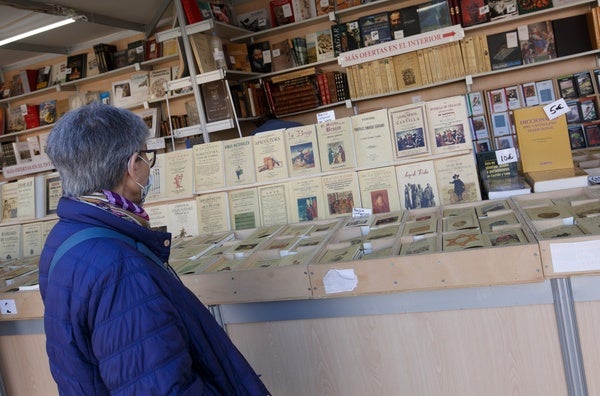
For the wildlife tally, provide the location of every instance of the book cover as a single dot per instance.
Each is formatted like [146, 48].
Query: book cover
[43, 77]
[474, 12]
[208, 164]
[136, 51]
[121, 93]
[34, 147]
[457, 179]
[236, 55]
[306, 202]
[588, 110]
[139, 87]
[502, 8]
[504, 50]
[158, 82]
[545, 90]
[179, 173]
[567, 87]
[244, 209]
[530, 94]
[202, 50]
[216, 101]
[543, 143]
[281, 12]
[577, 137]
[10, 201]
[448, 124]
[536, 41]
[47, 111]
[475, 103]
[372, 138]
[281, 56]
[22, 152]
[592, 135]
[379, 189]
[158, 189]
[26, 198]
[31, 238]
[10, 242]
[583, 83]
[53, 192]
[255, 20]
[527, 6]
[260, 56]
[76, 67]
[270, 156]
[341, 193]
[159, 217]
[505, 187]
[417, 185]
[183, 219]
[375, 29]
[302, 150]
[408, 126]
[336, 144]
[273, 204]
[571, 35]
[410, 21]
[433, 16]
[58, 73]
[213, 212]
[513, 97]
[497, 100]
[407, 70]
[238, 156]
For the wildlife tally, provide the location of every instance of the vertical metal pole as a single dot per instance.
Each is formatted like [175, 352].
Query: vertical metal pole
[569, 336]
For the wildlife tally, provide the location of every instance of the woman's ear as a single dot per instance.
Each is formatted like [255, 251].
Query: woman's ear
[132, 164]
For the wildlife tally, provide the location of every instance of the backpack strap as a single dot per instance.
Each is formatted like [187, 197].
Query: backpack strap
[100, 232]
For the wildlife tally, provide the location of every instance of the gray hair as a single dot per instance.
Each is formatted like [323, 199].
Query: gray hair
[90, 146]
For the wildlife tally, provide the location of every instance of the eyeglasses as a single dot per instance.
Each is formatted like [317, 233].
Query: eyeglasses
[150, 159]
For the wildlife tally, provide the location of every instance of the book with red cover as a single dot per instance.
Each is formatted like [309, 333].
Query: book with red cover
[29, 79]
[153, 49]
[192, 11]
[32, 118]
[474, 12]
[281, 12]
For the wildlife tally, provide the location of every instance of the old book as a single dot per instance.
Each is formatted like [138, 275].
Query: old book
[419, 246]
[202, 50]
[408, 126]
[255, 20]
[583, 83]
[341, 193]
[461, 240]
[213, 212]
[379, 189]
[344, 254]
[238, 156]
[281, 55]
[270, 156]
[407, 70]
[448, 124]
[474, 12]
[557, 179]
[183, 219]
[10, 201]
[157, 84]
[543, 143]
[302, 150]
[545, 89]
[159, 217]
[433, 16]
[47, 112]
[158, 189]
[31, 238]
[236, 55]
[372, 138]
[26, 198]
[52, 192]
[417, 185]
[457, 179]
[179, 173]
[281, 12]
[10, 242]
[260, 56]
[336, 144]
[22, 152]
[244, 209]
[502, 8]
[139, 87]
[208, 164]
[504, 50]
[306, 202]
[15, 120]
[121, 94]
[319, 46]
[216, 101]
[273, 204]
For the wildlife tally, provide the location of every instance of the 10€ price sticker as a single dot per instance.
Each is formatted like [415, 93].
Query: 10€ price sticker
[506, 156]
[556, 108]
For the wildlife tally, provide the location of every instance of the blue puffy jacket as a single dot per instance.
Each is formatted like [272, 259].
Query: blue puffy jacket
[117, 323]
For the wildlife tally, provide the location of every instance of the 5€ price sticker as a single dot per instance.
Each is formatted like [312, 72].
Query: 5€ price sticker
[556, 108]
[506, 156]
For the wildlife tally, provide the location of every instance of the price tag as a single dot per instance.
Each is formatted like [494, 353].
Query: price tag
[361, 212]
[276, 52]
[556, 108]
[155, 143]
[506, 156]
[23, 110]
[267, 56]
[287, 11]
[68, 70]
[325, 116]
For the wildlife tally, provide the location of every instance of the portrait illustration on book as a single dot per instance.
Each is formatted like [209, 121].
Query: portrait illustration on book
[381, 201]
[308, 208]
[302, 155]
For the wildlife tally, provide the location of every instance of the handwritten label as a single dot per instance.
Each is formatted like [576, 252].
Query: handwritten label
[506, 156]
[325, 116]
[361, 212]
[556, 108]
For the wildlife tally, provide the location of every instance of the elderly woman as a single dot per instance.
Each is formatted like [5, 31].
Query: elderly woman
[117, 319]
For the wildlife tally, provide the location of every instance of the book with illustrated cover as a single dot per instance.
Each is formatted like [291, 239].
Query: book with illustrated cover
[502, 8]
[457, 180]
[460, 222]
[158, 189]
[213, 212]
[236, 55]
[341, 193]
[203, 54]
[341, 254]
[530, 94]
[497, 100]
[76, 67]
[273, 204]
[545, 90]
[43, 77]
[379, 189]
[496, 223]
[504, 50]
[319, 46]
[260, 56]
[474, 12]
[567, 86]
[281, 56]
[306, 202]
[244, 209]
[139, 87]
[475, 103]
[52, 192]
[448, 124]
[270, 156]
[281, 12]
[157, 84]
[22, 152]
[583, 82]
[419, 246]
[302, 150]
[10, 242]
[372, 134]
[417, 185]
[543, 143]
[461, 240]
[183, 219]
[336, 144]
[238, 156]
[208, 165]
[47, 111]
[179, 173]
[10, 201]
[407, 70]
[433, 16]
[15, 120]
[513, 97]
[536, 41]
[255, 20]
[26, 198]
[375, 29]
[588, 110]
[408, 126]
[420, 227]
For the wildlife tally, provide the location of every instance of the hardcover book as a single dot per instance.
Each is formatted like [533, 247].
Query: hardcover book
[281, 55]
[213, 212]
[270, 156]
[474, 12]
[457, 179]
[341, 193]
[158, 82]
[417, 185]
[236, 55]
[336, 144]
[502, 8]
[407, 70]
[202, 50]
[375, 29]
[543, 143]
[255, 20]
[557, 179]
[47, 111]
[537, 41]
[379, 189]
[216, 101]
[208, 165]
[504, 50]
[244, 209]
[76, 67]
[260, 57]
[448, 124]
[43, 77]
[372, 135]
[302, 150]
[571, 35]
[238, 156]
[281, 12]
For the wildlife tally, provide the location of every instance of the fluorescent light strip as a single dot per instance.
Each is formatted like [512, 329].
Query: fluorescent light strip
[37, 31]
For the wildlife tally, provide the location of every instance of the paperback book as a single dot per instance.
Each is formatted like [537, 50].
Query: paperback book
[302, 150]
[336, 144]
[379, 189]
[372, 135]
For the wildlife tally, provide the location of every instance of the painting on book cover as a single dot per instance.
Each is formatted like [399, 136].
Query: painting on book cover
[450, 135]
[409, 130]
[303, 156]
[308, 208]
[340, 203]
[336, 153]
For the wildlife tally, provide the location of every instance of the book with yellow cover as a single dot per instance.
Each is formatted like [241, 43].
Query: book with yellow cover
[543, 143]
[305, 200]
[372, 138]
[273, 204]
